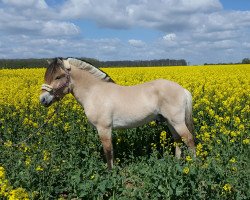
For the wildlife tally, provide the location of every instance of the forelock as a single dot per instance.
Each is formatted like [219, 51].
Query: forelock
[51, 70]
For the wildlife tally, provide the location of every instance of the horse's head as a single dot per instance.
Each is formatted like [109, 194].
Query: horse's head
[56, 85]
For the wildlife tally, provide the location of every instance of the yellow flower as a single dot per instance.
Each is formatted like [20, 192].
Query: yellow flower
[232, 160]
[28, 161]
[234, 169]
[46, 155]
[188, 158]
[66, 126]
[18, 194]
[153, 145]
[206, 136]
[242, 127]
[232, 140]
[35, 125]
[39, 168]
[233, 133]
[205, 165]
[2, 173]
[92, 177]
[227, 187]
[25, 121]
[153, 123]
[163, 137]
[211, 112]
[163, 134]
[8, 143]
[186, 170]
[226, 119]
[246, 141]
[24, 147]
[199, 149]
[175, 144]
[218, 141]
[118, 140]
[237, 120]
[5, 187]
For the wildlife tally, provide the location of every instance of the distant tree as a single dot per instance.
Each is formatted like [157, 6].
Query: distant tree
[246, 61]
[31, 63]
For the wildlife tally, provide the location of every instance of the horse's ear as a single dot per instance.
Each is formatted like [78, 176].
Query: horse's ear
[49, 62]
[59, 61]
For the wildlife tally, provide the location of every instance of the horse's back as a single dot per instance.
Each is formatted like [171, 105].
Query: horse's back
[169, 90]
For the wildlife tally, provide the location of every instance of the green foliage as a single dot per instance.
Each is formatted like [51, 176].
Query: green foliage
[22, 63]
[75, 168]
[246, 61]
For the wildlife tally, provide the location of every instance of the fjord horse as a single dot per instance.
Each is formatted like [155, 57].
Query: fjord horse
[108, 105]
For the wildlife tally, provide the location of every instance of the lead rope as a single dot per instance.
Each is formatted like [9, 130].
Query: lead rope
[34, 133]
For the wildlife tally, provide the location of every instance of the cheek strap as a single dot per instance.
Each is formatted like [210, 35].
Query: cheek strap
[47, 87]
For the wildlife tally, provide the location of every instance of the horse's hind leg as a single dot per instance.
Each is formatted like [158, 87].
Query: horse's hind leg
[181, 133]
[182, 130]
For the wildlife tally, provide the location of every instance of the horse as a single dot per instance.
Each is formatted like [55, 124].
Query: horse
[108, 105]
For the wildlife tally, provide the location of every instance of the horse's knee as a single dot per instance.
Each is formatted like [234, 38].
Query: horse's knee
[107, 144]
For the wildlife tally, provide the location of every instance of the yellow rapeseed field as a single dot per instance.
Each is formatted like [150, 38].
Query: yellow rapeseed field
[221, 110]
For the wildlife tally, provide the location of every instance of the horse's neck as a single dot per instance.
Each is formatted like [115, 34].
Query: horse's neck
[82, 82]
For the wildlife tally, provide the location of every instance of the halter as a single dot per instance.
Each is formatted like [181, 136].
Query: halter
[50, 89]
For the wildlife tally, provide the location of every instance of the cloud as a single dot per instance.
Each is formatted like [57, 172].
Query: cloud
[23, 46]
[199, 31]
[136, 43]
[109, 13]
[59, 28]
[246, 44]
[31, 18]
[169, 37]
[40, 4]
[163, 15]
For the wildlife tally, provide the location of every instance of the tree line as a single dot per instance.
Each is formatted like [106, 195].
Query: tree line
[38, 63]
[244, 61]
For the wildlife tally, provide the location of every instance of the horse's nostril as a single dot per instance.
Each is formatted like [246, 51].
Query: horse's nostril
[43, 100]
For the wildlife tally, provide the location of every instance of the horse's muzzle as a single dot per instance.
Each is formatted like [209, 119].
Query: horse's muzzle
[46, 99]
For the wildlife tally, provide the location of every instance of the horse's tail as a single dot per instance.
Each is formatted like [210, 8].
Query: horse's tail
[188, 113]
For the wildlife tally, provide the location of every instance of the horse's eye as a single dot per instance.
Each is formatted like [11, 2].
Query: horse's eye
[58, 77]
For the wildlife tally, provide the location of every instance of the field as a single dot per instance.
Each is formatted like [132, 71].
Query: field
[64, 159]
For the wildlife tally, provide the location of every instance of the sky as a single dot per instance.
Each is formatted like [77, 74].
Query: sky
[199, 31]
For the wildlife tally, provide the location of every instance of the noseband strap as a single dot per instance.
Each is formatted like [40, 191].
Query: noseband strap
[47, 87]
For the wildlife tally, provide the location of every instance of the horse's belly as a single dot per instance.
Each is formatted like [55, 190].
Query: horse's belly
[132, 121]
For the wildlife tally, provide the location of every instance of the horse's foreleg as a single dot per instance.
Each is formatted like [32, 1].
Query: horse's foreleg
[106, 139]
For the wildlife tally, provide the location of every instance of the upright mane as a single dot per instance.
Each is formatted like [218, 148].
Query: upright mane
[90, 68]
